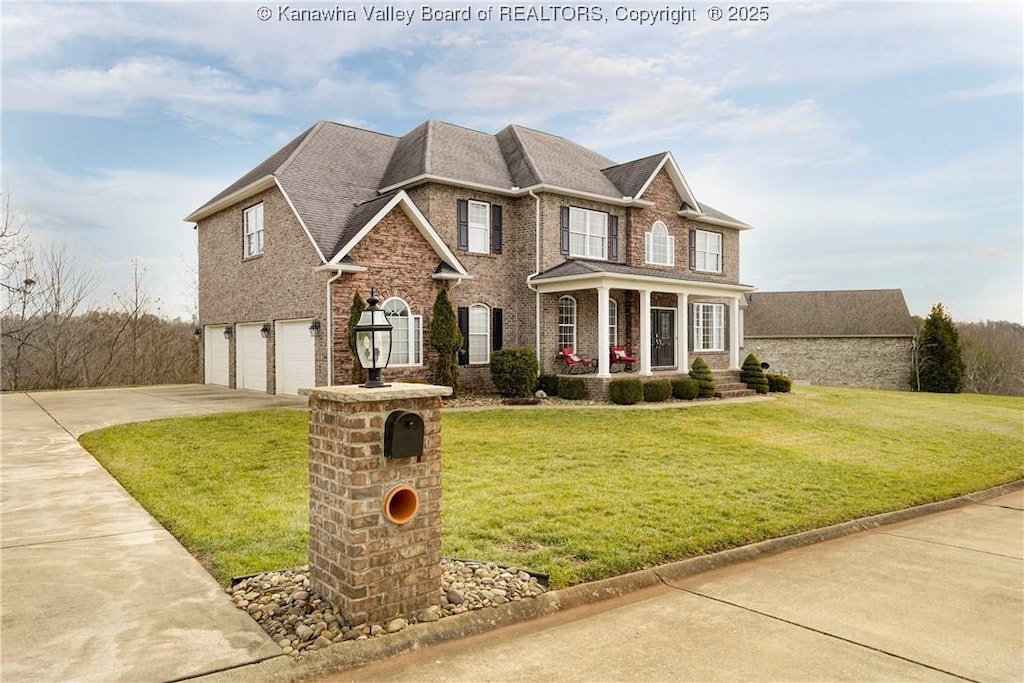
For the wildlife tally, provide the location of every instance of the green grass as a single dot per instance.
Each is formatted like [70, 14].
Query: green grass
[584, 494]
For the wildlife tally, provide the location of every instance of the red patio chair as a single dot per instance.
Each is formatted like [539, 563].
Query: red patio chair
[576, 364]
[619, 357]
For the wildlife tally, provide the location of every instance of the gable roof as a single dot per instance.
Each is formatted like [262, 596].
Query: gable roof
[836, 313]
[334, 176]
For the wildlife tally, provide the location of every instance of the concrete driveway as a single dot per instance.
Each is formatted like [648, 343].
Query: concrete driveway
[93, 588]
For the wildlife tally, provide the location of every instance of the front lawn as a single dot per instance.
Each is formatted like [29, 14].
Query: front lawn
[587, 493]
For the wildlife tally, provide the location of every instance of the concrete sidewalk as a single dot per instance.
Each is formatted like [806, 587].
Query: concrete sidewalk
[934, 598]
[93, 588]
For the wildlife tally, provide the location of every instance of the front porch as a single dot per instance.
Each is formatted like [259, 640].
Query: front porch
[661, 319]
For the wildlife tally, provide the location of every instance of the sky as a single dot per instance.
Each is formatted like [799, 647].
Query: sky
[872, 145]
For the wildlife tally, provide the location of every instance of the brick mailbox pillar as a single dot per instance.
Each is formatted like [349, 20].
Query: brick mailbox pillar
[375, 521]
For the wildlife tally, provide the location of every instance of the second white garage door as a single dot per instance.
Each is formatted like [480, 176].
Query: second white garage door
[250, 357]
[295, 356]
[215, 355]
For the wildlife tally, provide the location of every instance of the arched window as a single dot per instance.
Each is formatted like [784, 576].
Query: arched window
[567, 323]
[406, 333]
[613, 322]
[479, 334]
[660, 246]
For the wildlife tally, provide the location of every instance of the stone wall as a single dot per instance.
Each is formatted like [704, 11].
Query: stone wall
[876, 362]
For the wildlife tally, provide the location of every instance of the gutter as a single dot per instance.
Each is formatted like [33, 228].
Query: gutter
[338, 271]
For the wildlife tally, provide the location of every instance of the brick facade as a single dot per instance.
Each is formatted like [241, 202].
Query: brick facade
[279, 284]
[875, 362]
[371, 568]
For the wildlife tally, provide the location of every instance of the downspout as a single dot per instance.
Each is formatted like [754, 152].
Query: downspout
[330, 328]
[535, 273]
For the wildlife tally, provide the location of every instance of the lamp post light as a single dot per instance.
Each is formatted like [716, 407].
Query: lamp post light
[373, 342]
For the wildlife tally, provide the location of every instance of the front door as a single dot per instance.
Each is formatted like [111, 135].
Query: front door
[663, 337]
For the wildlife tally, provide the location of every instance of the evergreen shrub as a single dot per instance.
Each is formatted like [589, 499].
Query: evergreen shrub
[514, 371]
[752, 374]
[625, 392]
[685, 388]
[657, 390]
[572, 388]
[705, 379]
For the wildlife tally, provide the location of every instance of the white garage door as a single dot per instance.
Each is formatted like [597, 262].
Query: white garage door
[250, 357]
[295, 356]
[215, 355]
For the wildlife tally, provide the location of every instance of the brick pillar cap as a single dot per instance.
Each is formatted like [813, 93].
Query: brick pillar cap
[352, 393]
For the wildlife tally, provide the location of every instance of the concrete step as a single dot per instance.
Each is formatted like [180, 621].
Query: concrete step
[735, 393]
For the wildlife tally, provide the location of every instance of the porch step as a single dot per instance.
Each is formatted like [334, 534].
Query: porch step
[728, 385]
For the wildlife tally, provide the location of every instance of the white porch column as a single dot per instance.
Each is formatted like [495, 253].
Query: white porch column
[683, 334]
[645, 332]
[734, 333]
[603, 342]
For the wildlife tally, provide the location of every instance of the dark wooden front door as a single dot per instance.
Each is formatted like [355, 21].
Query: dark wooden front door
[663, 337]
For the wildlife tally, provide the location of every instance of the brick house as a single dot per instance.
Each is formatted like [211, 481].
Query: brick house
[541, 243]
[859, 338]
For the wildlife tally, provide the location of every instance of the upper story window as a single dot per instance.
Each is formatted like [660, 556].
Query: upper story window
[479, 226]
[706, 251]
[588, 233]
[567, 323]
[406, 333]
[252, 231]
[660, 246]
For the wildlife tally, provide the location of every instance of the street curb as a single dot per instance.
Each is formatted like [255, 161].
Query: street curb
[418, 636]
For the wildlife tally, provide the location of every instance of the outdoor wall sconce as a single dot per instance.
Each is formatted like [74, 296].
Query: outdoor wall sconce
[265, 330]
[314, 328]
[198, 332]
[227, 331]
[373, 342]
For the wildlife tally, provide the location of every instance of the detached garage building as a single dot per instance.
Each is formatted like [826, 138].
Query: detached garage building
[859, 338]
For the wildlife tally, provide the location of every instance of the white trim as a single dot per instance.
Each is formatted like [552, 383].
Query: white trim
[603, 346]
[470, 335]
[670, 245]
[305, 228]
[486, 228]
[413, 321]
[630, 281]
[587, 234]
[698, 324]
[255, 187]
[419, 220]
[645, 332]
[720, 253]
[677, 178]
[340, 268]
[575, 321]
[704, 218]
[516, 191]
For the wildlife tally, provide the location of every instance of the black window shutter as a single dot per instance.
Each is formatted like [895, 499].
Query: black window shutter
[613, 238]
[463, 316]
[497, 328]
[693, 248]
[495, 228]
[565, 229]
[462, 213]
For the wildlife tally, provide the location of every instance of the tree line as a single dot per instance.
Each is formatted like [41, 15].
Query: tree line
[54, 335]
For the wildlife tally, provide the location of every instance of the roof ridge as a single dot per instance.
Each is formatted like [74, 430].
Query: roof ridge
[426, 144]
[526, 153]
[309, 134]
[360, 129]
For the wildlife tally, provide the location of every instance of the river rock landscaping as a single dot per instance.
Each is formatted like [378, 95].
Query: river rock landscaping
[300, 620]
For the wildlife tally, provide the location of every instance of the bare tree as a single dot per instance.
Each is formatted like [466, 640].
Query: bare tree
[993, 354]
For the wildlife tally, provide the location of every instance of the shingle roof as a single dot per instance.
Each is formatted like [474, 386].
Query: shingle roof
[838, 313]
[583, 267]
[631, 177]
[334, 173]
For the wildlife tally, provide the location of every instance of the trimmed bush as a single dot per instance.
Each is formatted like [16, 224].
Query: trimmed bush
[514, 371]
[779, 383]
[572, 388]
[752, 374]
[625, 392]
[548, 384]
[705, 380]
[685, 388]
[446, 339]
[657, 390]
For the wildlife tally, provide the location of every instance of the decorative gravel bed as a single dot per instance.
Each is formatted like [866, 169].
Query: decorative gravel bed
[299, 619]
